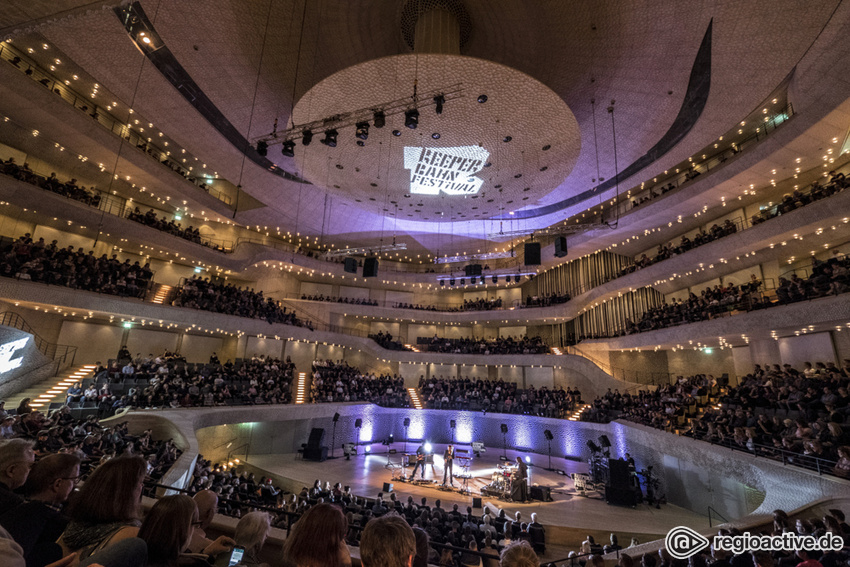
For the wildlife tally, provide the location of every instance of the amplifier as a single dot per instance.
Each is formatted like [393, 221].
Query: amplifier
[543, 493]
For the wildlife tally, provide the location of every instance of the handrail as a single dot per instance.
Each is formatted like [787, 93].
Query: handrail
[653, 378]
[716, 513]
[55, 351]
[102, 117]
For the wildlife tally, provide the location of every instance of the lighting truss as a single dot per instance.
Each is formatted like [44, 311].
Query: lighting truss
[366, 250]
[337, 121]
[553, 231]
[471, 257]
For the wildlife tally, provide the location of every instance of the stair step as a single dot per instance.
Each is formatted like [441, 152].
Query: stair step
[51, 390]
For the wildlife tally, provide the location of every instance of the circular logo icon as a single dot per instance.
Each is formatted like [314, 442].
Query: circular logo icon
[682, 542]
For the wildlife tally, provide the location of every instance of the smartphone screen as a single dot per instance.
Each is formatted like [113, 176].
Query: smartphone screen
[235, 556]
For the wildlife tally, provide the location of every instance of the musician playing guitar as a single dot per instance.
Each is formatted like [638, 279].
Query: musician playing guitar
[420, 462]
[448, 458]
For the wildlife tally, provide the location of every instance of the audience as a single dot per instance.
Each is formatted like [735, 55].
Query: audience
[346, 300]
[68, 188]
[198, 293]
[190, 233]
[387, 541]
[318, 540]
[386, 341]
[339, 382]
[251, 533]
[38, 261]
[501, 345]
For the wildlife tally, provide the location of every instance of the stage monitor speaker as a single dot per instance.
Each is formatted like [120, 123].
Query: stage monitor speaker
[532, 253]
[370, 268]
[542, 493]
[625, 496]
[473, 269]
[317, 438]
[388, 487]
[618, 473]
[476, 502]
[560, 246]
[316, 454]
[350, 265]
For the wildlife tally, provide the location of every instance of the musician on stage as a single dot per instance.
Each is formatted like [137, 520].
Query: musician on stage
[519, 490]
[448, 458]
[420, 462]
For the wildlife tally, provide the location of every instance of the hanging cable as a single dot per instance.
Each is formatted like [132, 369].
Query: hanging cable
[616, 171]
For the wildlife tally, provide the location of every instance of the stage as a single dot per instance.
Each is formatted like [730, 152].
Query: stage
[568, 518]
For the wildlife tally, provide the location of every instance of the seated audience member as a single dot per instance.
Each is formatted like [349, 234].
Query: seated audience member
[318, 539]
[251, 533]
[106, 509]
[38, 523]
[167, 530]
[207, 503]
[16, 458]
[519, 554]
[387, 542]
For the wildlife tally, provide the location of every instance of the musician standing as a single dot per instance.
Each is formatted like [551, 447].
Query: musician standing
[420, 462]
[448, 458]
[519, 490]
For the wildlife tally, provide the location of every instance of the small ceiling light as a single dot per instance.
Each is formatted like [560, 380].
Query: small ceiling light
[288, 148]
[436, 135]
[396, 133]
[380, 119]
[438, 101]
[411, 118]
[361, 143]
[262, 148]
[330, 138]
[362, 131]
[482, 98]
[507, 139]
[306, 137]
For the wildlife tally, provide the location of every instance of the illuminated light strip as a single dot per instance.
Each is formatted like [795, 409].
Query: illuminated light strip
[557, 351]
[300, 388]
[414, 397]
[411, 347]
[577, 414]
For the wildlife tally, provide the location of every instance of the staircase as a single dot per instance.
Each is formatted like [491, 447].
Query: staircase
[162, 294]
[51, 390]
[415, 402]
[302, 388]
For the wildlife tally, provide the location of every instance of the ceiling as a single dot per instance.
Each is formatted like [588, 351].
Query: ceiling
[551, 71]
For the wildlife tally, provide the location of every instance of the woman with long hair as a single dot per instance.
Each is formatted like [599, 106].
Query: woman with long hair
[318, 539]
[251, 533]
[106, 508]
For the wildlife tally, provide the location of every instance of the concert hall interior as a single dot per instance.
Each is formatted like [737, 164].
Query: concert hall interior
[578, 269]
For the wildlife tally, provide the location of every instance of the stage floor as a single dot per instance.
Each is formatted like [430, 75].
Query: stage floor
[570, 515]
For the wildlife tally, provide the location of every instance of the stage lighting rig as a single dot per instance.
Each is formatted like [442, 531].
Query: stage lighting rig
[330, 138]
[361, 130]
[288, 148]
[411, 118]
[262, 148]
[306, 137]
[439, 100]
[380, 119]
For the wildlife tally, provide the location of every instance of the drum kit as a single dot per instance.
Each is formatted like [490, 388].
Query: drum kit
[501, 481]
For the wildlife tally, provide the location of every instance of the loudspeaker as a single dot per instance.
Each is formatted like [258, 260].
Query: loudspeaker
[358, 422]
[548, 435]
[476, 502]
[370, 268]
[317, 437]
[516, 278]
[452, 281]
[618, 473]
[542, 493]
[532, 253]
[495, 279]
[560, 246]
[336, 417]
[350, 265]
[407, 422]
[622, 496]
[473, 270]
[316, 454]
[504, 427]
[388, 487]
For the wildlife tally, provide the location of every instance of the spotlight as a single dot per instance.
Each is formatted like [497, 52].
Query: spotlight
[288, 148]
[527, 459]
[362, 131]
[306, 137]
[436, 135]
[330, 138]
[411, 118]
[380, 118]
[438, 101]
[368, 449]
[262, 148]
[482, 98]
[427, 447]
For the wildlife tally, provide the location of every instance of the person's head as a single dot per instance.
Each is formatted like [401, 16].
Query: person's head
[387, 542]
[595, 561]
[763, 559]
[648, 560]
[421, 559]
[626, 560]
[168, 527]
[252, 530]
[53, 478]
[519, 554]
[121, 479]
[207, 503]
[16, 458]
[317, 538]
